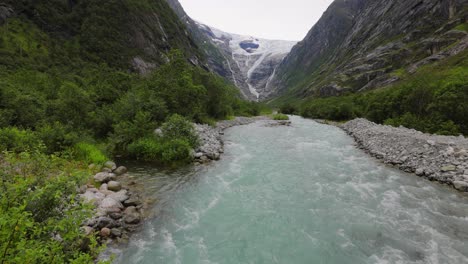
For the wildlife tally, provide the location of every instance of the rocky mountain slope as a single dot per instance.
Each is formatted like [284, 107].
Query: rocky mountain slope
[360, 45]
[248, 62]
[252, 61]
[126, 34]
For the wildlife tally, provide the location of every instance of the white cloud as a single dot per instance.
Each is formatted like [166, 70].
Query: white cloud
[272, 19]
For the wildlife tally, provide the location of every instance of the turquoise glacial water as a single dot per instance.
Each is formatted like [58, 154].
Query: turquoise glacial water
[293, 195]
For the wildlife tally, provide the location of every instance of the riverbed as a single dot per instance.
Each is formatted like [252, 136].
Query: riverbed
[297, 194]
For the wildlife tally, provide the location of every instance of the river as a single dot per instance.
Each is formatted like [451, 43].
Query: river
[293, 195]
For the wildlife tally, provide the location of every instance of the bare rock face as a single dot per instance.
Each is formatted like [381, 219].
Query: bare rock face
[360, 45]
[5, 13]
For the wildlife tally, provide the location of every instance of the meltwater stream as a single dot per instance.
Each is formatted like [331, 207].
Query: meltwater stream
[299, 194]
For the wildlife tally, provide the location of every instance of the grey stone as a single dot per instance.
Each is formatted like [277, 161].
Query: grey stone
[420, 172]
[132, 201]
[115, 232]
[461, 185]
[104, 177]
[120, 196]
[114, 186]
[105, 232]
[132, 216]
[87, 230]
[120, 170]
[448, 168]
[110, 165]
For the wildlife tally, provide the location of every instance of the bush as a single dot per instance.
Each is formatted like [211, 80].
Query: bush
[154, 149]
[280, 117]
[177, 127]
[145, 149]
[288, 109]
[177, 150]
[40, 214]
[89, 153]
[16, 140]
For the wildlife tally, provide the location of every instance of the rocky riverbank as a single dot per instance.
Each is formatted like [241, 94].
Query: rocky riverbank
[437, 158]
[118, 210]
[211, 144]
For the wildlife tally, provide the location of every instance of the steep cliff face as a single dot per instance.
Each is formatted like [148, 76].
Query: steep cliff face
[364, 44]
[247, 62]
[252, 61]
[216, 60]
[127, 34]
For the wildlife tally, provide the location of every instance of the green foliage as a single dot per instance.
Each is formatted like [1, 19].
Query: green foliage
[462, 27]
[434, 100]
[288, 109]
[178, 127]
[15, 140]
[89, 153]
[40, 214]
[174, 145]
[280, 117]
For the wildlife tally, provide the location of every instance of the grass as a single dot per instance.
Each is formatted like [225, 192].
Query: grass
[280, 117]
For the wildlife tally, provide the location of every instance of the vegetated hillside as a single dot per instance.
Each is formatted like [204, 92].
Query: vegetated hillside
[120, 33]
[216, 60]
[416, 50]
[82, 81]
[360, 45]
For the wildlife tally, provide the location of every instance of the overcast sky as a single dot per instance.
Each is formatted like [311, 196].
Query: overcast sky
[271, 19]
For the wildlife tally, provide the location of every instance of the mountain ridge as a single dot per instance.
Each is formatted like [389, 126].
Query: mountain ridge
[359, 44]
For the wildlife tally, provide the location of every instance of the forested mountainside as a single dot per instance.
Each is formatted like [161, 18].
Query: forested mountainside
[416, 48]
[81, 82]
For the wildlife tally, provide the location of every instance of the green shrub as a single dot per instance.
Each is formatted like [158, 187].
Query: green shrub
[178, 127]
[89, 153]
[145, 149]
[16, 140]
[57, 137]
[152, 149]
[280, 117]
[40, 214]
[177, 150]
[288, 109]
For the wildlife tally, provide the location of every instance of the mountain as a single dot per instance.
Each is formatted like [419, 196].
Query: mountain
[126, 34]
[360, 45]
[252, 61]
[246, 61]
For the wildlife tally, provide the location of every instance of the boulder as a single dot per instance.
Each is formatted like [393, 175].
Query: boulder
[93, 198]
[120, 170]
[448, 168]
[115, 232]
[102, 222]
[114, 186]
[420, 172]
[110, 165]
[461, 186]
[120, 196]
[132, 216]
[109, 205]
[132, 201]
[87, 230]
[104, 177]
[105, 232]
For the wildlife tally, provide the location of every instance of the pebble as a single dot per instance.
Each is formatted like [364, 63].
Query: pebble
[439, 158]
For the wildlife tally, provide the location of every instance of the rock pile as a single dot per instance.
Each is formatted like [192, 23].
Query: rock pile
[438, 158]
[118, 210]
[211, 144]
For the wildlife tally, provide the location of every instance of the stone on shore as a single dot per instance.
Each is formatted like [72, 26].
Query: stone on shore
[439, 158]
[114, 186]
[104, 177]
[131, 215]
[120, 171]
